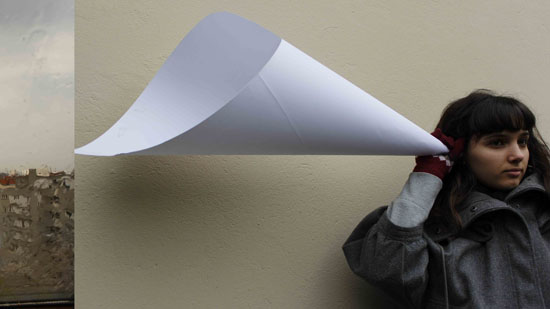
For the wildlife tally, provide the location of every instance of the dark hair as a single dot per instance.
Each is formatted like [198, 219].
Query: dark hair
[480, 113]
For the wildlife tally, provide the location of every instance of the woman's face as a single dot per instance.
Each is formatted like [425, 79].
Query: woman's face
[499, 160]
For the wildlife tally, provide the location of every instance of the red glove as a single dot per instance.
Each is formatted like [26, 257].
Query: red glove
[440, 165]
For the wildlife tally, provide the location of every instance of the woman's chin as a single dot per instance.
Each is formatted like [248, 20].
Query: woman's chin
[508, 184]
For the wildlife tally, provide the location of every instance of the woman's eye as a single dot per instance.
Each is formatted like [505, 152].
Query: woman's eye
[496, 142]
[523, 141]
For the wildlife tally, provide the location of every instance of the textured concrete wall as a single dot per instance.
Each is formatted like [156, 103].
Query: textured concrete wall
[266, 231]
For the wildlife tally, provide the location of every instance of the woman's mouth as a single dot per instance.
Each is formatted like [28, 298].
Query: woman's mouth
[514, 172]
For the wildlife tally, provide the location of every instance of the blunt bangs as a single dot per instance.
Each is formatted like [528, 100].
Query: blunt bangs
[495, 114]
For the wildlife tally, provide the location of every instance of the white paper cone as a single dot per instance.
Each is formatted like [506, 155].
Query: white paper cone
[232, 87]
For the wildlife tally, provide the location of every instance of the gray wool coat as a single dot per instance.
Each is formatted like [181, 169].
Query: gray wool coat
[499, 259]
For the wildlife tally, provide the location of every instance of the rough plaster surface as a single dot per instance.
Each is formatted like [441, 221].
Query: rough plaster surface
[266, 231]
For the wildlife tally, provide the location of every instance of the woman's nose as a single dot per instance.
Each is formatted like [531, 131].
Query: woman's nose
[517, 153]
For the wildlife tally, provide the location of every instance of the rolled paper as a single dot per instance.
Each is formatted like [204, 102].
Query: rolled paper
[233, 87]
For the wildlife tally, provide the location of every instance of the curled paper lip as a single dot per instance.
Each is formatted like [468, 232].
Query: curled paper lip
[233, 87]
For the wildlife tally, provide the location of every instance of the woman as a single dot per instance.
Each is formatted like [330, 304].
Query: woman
[474, 235]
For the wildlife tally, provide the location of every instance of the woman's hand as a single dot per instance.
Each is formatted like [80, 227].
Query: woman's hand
[440, 165]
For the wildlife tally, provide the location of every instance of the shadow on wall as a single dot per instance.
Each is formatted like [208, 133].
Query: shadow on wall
[186, 189]
[198, 182]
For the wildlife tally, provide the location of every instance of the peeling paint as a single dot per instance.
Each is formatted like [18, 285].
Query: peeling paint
[37, 240]
[42, 183]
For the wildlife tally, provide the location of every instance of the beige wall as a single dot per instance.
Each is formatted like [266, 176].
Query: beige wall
[266, 231]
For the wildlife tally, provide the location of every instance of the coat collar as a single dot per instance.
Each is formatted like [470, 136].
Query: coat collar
[479, 203]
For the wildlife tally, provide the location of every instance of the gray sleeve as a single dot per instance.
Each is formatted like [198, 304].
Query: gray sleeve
[412, 207]
[395, 259]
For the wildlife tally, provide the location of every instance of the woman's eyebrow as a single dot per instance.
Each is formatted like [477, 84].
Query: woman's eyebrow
[492, 135]
[505, 135]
